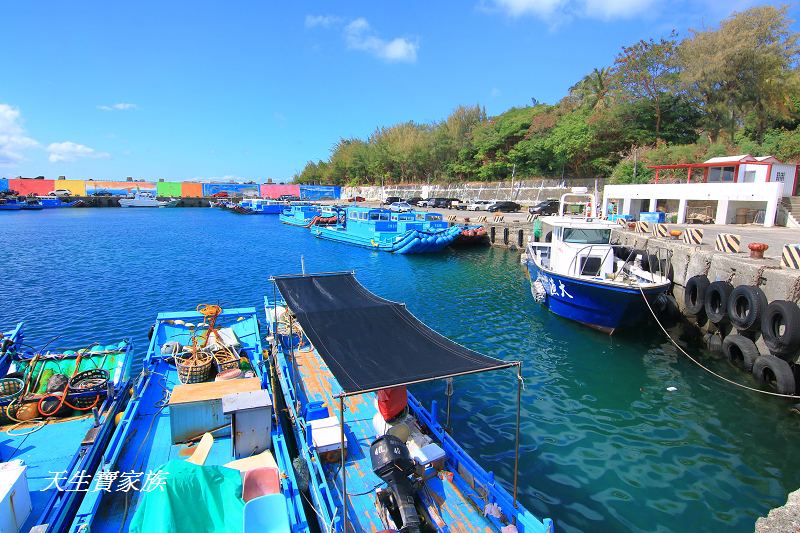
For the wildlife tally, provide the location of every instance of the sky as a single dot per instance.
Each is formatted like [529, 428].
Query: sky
[254, 90]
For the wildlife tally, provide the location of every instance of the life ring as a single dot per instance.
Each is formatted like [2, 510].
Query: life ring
[740, 351]
[717, 296]
[780, 327]
[775, 373]
[746, 306]
[694, 296]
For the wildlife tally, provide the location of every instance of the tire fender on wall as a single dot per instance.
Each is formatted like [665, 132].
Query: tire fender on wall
[746, 306]
[772, 371]
[717, 296]
[694, 298]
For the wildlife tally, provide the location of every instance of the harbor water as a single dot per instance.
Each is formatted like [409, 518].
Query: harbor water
[605, 445]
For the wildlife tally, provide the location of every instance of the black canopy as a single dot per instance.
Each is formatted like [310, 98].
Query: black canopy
[370, 343]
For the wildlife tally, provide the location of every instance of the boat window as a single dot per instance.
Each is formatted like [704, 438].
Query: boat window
[587, 235]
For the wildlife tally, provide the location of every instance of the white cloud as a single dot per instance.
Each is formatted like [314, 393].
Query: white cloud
[359, 35]
[69, 151]
[325, 21]
[551, 10]
[122, 106]
[13, 138]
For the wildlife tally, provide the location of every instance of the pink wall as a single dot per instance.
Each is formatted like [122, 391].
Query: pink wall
[40, 187]
[269, 190]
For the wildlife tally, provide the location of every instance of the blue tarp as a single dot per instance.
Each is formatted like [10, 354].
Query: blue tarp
[3, 184]
[320, 192]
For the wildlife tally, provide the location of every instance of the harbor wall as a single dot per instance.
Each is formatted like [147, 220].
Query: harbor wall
[191, 190]
[232, 189]
[168, 188]
[320, 192]
[524, 191]
[76, 187]
[25, 187]
[119, 188]
[274, 190]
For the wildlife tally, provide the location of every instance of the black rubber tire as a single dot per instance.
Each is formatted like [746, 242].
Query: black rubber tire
[780, 328]
[740, 351]
[775, 373]
[714, 344]
[746, 306]
[717, 296]
[694, 297]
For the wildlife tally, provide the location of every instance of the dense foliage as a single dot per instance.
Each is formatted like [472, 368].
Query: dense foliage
[734, 89]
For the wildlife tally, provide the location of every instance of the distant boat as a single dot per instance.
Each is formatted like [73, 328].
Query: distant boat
[580, 275]
[54, 202]
[142, 199]
[262, 206]
[20, 203]
[413, 232]
[307, 214]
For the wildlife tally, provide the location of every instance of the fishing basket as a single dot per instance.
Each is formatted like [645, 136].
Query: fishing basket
[225, 360]
[10, 390]
[94, 380]
[194, 367]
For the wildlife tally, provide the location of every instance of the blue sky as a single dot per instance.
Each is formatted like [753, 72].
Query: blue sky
[253, 90]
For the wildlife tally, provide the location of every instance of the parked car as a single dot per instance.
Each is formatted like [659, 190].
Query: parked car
[547, 207]
[424, 202]
[444, 203]
[392, 199]
[455, 203]
[400, 207]
[220, 194]
[60, 192]
[414, 200]
[357, 199]
[478, 205]
[504, 207]
[102, 193]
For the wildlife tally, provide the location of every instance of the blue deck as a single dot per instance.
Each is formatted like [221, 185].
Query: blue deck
[143, 440]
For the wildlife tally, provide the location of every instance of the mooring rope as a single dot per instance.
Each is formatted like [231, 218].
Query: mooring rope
[698, 363]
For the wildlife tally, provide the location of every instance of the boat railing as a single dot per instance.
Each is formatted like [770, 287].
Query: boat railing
[656, 266]
[573, 266]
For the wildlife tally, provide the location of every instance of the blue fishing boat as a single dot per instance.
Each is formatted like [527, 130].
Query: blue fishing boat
[200, 436]
[377, 458]
[20, 203]
[262, 206]
[57, 409]
[54, 202]
[307, 214]
[581, 276]
[10, 342]
[412, 232]
[9, 203]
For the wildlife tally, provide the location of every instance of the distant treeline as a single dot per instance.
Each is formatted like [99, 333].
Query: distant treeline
[735, 89]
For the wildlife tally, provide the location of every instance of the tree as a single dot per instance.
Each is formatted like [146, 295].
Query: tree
[743, 72]
[649, 70]
[594, 90]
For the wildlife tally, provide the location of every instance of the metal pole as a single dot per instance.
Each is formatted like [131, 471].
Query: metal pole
[516, 443]
[344, 470]
[449, 393]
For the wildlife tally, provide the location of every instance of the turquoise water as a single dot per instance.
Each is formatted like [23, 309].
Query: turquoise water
[604, 446]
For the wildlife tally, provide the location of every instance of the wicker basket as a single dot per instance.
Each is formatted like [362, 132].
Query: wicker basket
[195, 368]
[95, 380]
[224, 360]
[10, 390]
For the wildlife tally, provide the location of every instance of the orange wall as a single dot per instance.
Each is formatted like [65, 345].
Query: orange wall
[40, 187]
[191, 190]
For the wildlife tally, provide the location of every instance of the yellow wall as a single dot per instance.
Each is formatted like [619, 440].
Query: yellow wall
[76, 187]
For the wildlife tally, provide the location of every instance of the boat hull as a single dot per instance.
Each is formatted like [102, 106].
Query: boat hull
[598, 305]
[409, 242]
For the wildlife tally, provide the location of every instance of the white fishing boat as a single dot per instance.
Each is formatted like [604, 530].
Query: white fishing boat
[141, 199]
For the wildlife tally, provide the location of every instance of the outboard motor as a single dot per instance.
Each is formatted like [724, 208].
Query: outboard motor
[392, 463]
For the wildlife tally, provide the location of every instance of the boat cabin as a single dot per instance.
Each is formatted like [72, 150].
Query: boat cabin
[369, 221]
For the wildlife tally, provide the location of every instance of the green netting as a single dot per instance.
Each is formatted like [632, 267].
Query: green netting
[195, 498]
[107, 356]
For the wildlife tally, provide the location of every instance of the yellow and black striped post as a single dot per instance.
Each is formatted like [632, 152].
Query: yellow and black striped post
[451, 218]
[481, 219]
[729, 243]
[498, 218]
[642, 227]
[790, 258]
[693, 236]
[660, 230]
[530, 217]
[622, 222]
